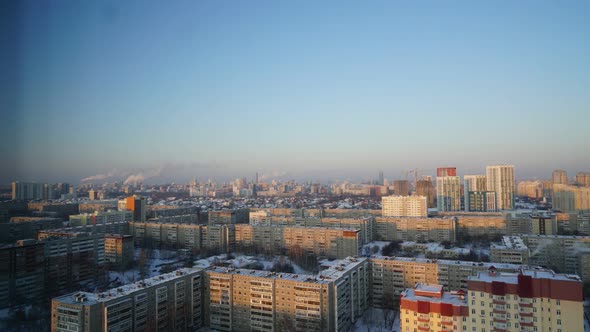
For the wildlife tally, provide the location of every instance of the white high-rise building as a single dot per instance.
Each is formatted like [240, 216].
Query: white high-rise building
[404, 206]
[500, 178]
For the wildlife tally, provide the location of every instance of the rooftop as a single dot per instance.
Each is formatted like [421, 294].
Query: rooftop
[337, 269]
[505, 266]
[512, 278]
[509, 242]
[421, 293]
[93, 298]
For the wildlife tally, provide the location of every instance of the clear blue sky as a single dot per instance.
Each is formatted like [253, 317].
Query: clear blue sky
[317, 89]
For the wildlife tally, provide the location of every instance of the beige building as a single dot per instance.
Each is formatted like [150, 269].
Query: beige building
[426, 307]
[392, 275]
[500, 178]
[415, 229]
[404, 206]
[530, 189]
[511, 250]
[583, 179]
[251, 300]
[482, 224]
[559, 176]
[531, 300]
[168, 302]
[571, 198]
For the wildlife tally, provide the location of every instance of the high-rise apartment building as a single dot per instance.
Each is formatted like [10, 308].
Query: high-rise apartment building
[24, 191]
[168, 302]
[104, 217]
[118, 250]
[448, 192]
[472, 183]
[251, 300]
[446, 171]
[583, 179]
[481, 201]
[404, 206]
[559, 176]
[426, 307]
[137, 205]
[425, 187]
[401, 187]
[568, 198]
[530, 189]
[531, 300]
[500, 178]
[392, 275]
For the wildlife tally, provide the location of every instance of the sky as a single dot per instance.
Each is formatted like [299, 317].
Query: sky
[321, 90]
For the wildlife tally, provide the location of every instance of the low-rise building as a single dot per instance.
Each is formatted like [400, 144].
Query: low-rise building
[511, 250]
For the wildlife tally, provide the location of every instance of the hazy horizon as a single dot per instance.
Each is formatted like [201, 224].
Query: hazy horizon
[318, 91]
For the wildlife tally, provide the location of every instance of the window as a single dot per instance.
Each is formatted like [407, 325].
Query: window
[559, 322]
[558, 312]
[482, 303]
[558, 302]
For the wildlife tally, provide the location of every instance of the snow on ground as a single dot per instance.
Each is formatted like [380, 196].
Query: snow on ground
[159, 258]
[377, 320]
[241, 261]
[368, 248]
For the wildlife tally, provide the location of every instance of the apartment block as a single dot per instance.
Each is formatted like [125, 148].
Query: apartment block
[530, 189]
[404, 206]
[426, 188]
[583, 179]
[22, 273]
[448, 193]
[511, 250]
[481, 201]
[100, 206]
[557, 252]
[251, 300]
[26, 228]
[72, 261]
[415, 229]
[238, 216]
[390, 276]
[530, 300]
[475, 183]
[168, 302]
[101, 217]
[571, 198]
[482, 224]
[500, 178]
[118, 249]
[559, 177]
[426, 307]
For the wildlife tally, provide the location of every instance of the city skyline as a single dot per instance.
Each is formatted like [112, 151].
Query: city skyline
[320, 91]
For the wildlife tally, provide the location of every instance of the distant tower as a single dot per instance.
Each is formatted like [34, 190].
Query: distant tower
[500, 178]
[448, 189]
[194, 188]
[256, 178]
[559, 176]
[381, 178]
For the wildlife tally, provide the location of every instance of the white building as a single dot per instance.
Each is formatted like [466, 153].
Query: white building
[404, 206]
[500, 178]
